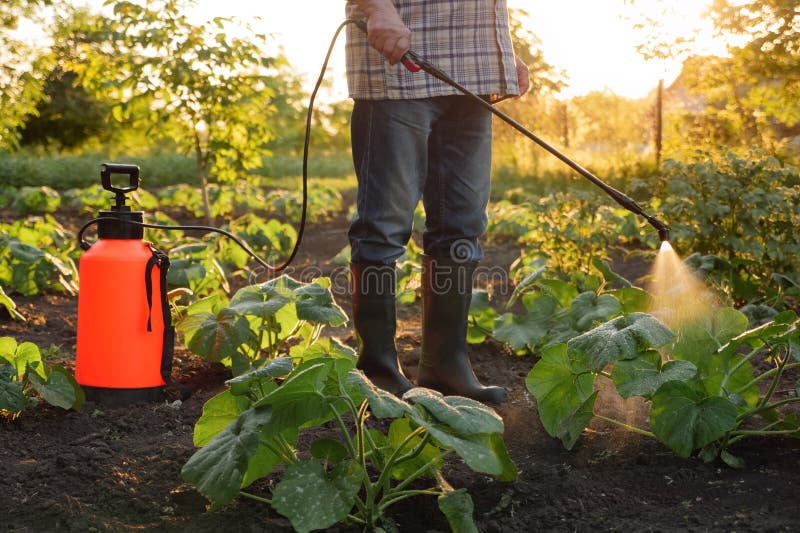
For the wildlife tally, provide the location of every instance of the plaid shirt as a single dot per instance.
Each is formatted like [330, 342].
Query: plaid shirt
[467, 39]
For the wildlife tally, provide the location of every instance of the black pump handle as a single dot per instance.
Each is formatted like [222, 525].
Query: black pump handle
[107, 169]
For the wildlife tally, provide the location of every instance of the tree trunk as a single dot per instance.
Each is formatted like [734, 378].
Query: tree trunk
[202, 171]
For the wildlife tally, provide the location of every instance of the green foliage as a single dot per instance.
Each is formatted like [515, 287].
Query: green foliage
[24, 378]
[262, 321]
[701, 384]
[555, 311]
[743, 210]
[250, 430]
[35, 256]
[10, 306]
[36, 200]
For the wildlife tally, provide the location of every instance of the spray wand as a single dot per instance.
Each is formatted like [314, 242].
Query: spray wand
[414, 63]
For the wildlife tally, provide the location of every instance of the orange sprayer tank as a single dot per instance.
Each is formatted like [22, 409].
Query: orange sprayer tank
[121, 319]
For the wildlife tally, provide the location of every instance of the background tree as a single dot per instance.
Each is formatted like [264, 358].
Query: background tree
[20, 82]
[209, 86]
[69, 114]
[770, 53]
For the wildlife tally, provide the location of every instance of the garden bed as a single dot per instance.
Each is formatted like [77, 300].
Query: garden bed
[118, 469]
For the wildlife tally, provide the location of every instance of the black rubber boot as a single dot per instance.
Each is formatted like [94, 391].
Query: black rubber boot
[374, 319]
[444, 363]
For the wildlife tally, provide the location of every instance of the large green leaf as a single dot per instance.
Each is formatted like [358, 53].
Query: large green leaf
[701, 339]
[464, 416]
[257, 301]
[685, 419]
[484, 452]
[644, 375]
[589, 308]
[604, 267]
[399, 430]
[55, 390]
[632, 299]
[23, 357]
[218, 412]
[313, 499]
[526, 330]
[218, 469]
[261, 377]
[315, 304]
[11, 307]
[215, 337]
[562, 389]
[624, 337]
[324, 347]
[457, 506]
[11, 397]
[562, 291]
[264, 460]
[572, 424]
[305, 381]
[382, 404]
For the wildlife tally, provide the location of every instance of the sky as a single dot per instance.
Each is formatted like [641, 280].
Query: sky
[592, 41]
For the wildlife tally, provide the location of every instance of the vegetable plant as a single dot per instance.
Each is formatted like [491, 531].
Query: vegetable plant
[249, 430]
[24, 377]
[707, 387]
[260, 322]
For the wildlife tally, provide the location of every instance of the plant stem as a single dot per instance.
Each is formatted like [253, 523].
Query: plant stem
[775, 381]
[768, 407]
[733, 370]
[393, 458]
[627, 426]
[765, 375]
[605, 374]
[256, 498]
[402, 495]
[421, 470]
[743, 434]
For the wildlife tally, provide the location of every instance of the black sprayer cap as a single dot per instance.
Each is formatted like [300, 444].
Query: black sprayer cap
[112, 229]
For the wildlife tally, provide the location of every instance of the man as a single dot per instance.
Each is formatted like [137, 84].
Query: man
[415, 137]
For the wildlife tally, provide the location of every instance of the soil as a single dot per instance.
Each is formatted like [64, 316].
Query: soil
[118, 469]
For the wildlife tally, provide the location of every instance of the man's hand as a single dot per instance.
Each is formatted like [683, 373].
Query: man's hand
[386, 33]
[523, 77]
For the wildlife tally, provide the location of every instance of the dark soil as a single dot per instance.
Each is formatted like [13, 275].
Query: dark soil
[104, 469]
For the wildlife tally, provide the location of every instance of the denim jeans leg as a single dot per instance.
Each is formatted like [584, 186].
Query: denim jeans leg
[389, 141]
[456, 192]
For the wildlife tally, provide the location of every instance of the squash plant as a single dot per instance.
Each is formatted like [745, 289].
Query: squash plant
[704, 391]
[261, 322]
[248, 431]
[23, 376]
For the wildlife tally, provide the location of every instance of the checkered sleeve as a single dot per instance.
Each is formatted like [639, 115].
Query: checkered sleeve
[467, 39]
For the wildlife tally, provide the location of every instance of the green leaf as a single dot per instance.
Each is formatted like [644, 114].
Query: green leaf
[382, 404]
[218, 412]
[563, 389]
[685, 419]
[8, 347]
[464, 416]
[77, 391]
[258, 301]
[328, 450]
[315, 304]
[304, 382]
[571, 426]
[264, 460]
[23, 356]
[312, 499]
[624, 337]
[703, 338]
[526, 330]
[325, 347]
[731, 460]
[276, 368]
[523, 285]
[215, 337]
[55, 390]
[644, 375]
[10, 306]
[589, 308]
[218, 469]
[399, 430]
[11, 397]
[632, 299]
[604, 268]
[562, 291]
[457, 506]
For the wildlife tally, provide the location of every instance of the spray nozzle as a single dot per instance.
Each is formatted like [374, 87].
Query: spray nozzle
[132, 171]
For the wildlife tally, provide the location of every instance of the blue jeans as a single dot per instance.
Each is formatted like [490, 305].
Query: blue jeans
[437, 149]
